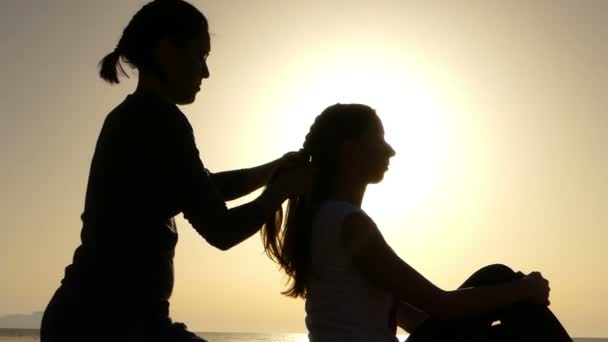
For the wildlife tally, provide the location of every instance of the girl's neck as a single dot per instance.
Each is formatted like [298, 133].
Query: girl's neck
[347, 192]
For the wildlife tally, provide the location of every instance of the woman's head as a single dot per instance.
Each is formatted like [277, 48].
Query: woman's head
[345, 143]
[347, 140]
[167, 40]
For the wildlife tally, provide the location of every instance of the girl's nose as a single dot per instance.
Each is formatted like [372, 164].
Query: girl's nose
[391, 151]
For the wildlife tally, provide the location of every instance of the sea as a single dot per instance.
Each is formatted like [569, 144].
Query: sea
[32, 335]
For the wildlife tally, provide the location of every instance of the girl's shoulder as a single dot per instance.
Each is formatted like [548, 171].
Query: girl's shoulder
[336, 205]
[339, 210]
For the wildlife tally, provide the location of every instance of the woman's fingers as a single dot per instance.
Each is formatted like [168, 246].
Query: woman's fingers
[292, 159]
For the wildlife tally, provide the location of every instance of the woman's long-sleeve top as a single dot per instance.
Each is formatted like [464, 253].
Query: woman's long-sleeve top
[146, 169]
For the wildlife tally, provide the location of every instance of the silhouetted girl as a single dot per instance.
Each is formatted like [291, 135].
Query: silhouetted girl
[356, 288]
[145, 170]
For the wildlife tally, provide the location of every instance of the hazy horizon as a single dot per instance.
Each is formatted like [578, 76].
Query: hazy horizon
[240, 336]
[497, 111]
[210, 335]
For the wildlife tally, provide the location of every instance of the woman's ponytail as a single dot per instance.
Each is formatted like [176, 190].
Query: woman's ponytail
[110, 66]
[176, 19]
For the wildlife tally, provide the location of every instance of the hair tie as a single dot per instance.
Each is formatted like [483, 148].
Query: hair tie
[306, 153]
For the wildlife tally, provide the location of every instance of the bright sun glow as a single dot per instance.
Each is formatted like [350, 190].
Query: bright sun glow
[413, 116]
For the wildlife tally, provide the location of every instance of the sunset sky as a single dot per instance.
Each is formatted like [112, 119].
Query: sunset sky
[497, 111]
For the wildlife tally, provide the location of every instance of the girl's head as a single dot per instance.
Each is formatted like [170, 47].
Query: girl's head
[347, 141]
[345, 144]
[167, 40]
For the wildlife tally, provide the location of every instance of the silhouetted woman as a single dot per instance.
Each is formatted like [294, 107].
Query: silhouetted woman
[145, 170]
[356, 288]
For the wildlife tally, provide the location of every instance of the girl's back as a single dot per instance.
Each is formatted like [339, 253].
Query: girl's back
[341, 305]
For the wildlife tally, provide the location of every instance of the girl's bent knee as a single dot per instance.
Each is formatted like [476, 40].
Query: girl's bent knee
[490, 275]
[499, 270]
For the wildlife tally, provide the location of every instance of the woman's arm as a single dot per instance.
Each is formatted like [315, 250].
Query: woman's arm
[238, 183]
[225, 228]
[204, 208]
[377, 261]
[202, 202]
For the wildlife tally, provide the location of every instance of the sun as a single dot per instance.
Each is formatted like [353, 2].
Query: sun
[414, 117]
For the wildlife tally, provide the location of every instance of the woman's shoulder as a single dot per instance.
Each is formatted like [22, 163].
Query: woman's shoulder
[147, 113]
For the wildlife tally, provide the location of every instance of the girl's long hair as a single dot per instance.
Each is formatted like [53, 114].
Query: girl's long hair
[290, 246]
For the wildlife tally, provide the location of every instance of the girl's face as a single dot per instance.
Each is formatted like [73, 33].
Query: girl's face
[184, 68]
[369, 154]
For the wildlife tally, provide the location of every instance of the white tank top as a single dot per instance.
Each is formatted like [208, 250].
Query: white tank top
[341, 305]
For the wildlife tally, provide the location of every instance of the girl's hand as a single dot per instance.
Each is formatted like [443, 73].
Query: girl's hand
[538, 288]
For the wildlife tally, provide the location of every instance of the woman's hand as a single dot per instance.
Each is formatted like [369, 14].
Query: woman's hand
[538, 287]
[293, 176]
[291, 159]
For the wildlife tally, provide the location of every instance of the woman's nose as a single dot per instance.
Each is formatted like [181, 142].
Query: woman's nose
[205, 71]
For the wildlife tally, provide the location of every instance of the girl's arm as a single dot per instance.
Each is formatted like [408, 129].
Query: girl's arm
[409, 317]
[377, 261]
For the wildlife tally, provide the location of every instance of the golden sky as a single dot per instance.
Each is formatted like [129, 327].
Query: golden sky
[497, 110]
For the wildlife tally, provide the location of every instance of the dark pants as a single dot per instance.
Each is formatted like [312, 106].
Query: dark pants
[75, 316]
[521, 322]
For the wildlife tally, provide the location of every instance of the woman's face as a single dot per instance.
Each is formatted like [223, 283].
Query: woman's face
[370, 154]
[185, 67]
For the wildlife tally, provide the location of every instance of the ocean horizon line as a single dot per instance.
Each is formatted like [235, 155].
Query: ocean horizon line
[34, 332]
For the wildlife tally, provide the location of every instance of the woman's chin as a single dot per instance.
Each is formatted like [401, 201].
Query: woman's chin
[377, 179]
[186, 99]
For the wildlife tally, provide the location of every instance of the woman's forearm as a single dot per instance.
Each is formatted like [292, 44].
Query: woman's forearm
[241, 222]
[234, 184]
